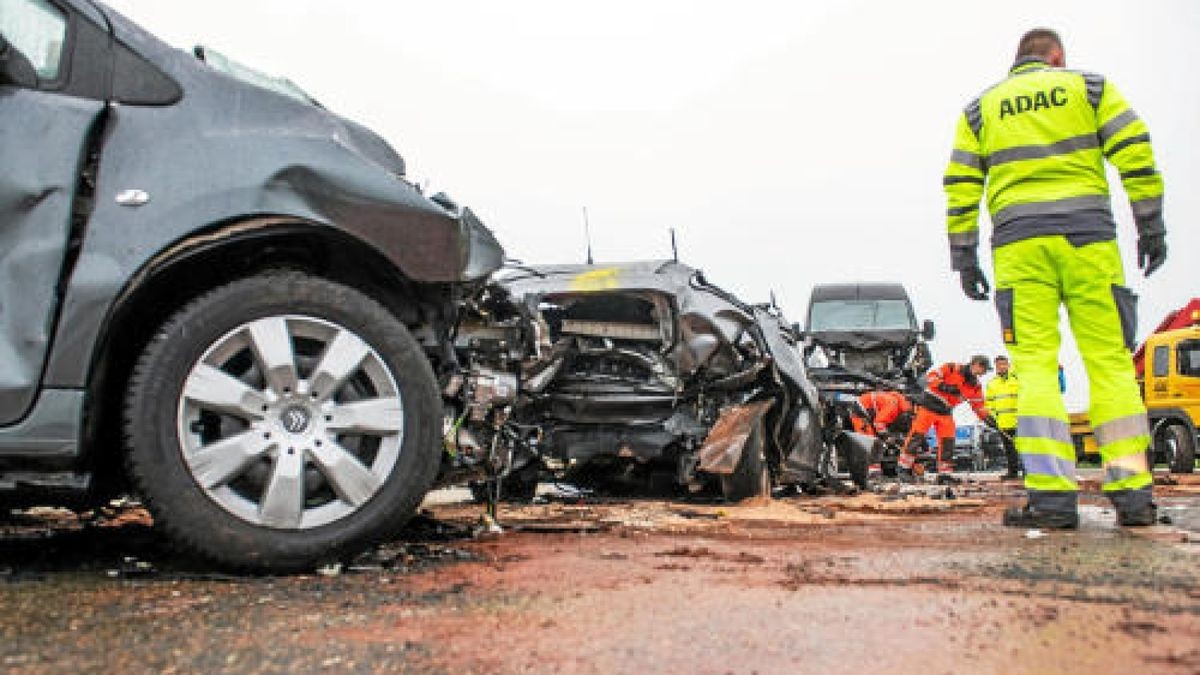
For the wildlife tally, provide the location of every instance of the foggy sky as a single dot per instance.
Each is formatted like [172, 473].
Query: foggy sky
[787, 144]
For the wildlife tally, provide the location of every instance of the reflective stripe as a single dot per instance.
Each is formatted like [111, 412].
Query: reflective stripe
[955, 180]
[1116, 124]
[997, 397]
[1132, 140]
[1095, 87]
[1122, 428]
[962, 210]
[964, 239]
[1063, 147]
[1144, 208]
[1047, 208]
[1048, 465]
[1139, 173]
[974, 117]
[967, 159]
[1044, 427]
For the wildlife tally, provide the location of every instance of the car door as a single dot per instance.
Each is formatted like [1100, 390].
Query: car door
[44, 134]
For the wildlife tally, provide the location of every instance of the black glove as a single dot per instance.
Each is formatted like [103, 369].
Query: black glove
[949, 389]
[1151, 252]
[974, 284]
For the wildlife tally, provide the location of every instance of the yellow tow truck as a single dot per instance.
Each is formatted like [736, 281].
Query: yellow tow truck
[1168, 368]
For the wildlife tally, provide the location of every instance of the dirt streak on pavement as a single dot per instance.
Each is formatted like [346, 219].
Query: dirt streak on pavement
[832, 584]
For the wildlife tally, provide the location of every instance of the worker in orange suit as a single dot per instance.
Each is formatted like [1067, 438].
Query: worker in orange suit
[948, 385]
[883, 409]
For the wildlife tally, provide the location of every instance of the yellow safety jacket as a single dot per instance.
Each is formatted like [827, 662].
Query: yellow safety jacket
[1037, 142]
[1000, 397]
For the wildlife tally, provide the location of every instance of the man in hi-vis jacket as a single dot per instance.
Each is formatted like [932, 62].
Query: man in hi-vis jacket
[1036, 144]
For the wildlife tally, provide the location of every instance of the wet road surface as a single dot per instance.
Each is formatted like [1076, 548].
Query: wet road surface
[898, 580]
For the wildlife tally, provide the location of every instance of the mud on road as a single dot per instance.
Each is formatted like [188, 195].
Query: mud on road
[906, 580]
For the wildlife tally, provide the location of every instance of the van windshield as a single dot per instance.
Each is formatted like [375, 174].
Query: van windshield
[857, 315]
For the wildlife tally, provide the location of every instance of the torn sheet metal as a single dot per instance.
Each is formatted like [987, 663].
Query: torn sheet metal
[723, 447]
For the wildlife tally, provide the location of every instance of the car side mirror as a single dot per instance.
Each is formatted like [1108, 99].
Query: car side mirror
[927, 330]
[15, 69]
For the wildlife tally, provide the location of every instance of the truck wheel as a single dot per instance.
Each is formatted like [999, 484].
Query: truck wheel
[750, 478]
[282, 421]
[1177, 447]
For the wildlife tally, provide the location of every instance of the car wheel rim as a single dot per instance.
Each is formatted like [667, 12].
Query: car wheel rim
[290, 422]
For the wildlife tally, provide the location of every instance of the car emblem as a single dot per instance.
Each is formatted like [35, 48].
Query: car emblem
[295, 419]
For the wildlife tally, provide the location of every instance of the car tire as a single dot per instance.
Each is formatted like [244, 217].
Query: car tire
[280, 422]
[750, 478]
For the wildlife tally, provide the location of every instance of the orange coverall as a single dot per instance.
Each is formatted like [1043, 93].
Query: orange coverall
[953, 384]
[885, 407]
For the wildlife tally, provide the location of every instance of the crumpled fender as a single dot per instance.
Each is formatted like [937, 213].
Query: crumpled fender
[722, 449]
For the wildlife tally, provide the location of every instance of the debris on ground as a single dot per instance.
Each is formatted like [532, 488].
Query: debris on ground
[876, 558]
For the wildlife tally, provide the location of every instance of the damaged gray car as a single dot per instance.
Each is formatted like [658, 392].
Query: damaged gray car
[215, 292]
[580, 372]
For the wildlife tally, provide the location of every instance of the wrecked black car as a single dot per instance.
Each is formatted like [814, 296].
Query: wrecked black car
[639, 369]
[216, 292]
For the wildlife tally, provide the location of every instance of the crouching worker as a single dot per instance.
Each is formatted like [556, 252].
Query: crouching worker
[886, 411]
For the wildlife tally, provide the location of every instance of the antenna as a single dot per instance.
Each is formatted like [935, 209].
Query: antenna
[674, 247]
[773, 302]
[587, 233]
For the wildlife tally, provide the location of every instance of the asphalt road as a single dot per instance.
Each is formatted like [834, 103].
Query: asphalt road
[898, 580]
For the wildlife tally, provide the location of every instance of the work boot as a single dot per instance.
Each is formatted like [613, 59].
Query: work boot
[1141, 517]
[1029, 517]
[1135, 508]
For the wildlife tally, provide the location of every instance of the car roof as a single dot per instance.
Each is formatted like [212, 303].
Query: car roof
[864, 291]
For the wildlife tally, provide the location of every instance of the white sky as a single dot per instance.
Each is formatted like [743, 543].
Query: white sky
[788, 143]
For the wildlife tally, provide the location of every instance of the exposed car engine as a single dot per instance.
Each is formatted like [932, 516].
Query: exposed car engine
[581, 372]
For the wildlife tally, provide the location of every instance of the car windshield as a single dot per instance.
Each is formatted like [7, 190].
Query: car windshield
[847, 315]
[227, 66]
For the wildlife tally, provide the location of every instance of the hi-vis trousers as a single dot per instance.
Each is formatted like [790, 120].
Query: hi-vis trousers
[1033, 278]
